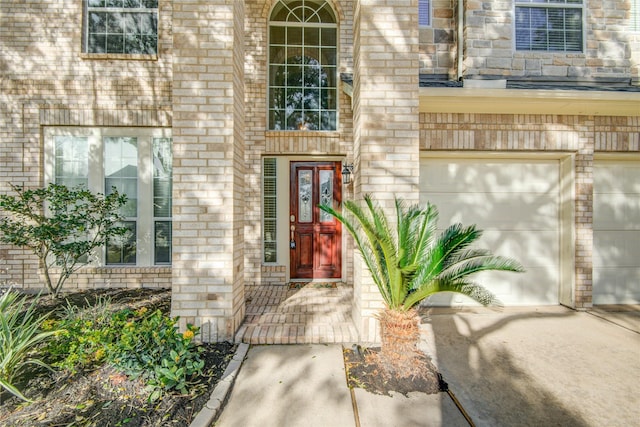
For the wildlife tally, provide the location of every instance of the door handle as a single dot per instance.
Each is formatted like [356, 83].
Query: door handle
[292, 242]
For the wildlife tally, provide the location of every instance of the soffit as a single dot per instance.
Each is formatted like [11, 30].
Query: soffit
[528, 101]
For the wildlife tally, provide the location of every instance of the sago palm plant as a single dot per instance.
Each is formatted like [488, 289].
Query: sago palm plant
[412, 262]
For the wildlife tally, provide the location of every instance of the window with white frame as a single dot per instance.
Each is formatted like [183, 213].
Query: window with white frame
[424, 13]
[303, 66]
[549, 25]
[269, 206]
[136, 162]
[121, 26]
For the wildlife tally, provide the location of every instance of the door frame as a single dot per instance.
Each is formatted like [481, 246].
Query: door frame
[316, 228]
[283, 171]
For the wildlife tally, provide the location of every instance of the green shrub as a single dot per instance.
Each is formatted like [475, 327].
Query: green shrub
[76, 223]
[138, 343]
[19, 336]
[151, 346]
[84, 334]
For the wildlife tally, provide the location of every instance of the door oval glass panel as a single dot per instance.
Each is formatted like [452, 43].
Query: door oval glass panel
[325, 185]
[305, 196]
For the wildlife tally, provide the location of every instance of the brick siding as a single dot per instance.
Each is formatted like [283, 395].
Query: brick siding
[208, 84]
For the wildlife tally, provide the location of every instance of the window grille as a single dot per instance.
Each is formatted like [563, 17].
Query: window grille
[121, 26]
[549, 25]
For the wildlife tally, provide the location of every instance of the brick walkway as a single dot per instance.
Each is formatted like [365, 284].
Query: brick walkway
[308, 313]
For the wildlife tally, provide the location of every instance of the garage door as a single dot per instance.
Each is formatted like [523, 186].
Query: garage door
[516, 204]
[616, 232]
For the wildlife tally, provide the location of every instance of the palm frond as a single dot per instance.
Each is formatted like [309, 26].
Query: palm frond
[413, 262]
[453, 240]
[471, 265]
[356, 229]
[385, 242]
[470, 289]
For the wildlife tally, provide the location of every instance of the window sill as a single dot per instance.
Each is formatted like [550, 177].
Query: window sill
[529, 53]
[121, 269]
[304, 133]
[119, 56]
[132, 269]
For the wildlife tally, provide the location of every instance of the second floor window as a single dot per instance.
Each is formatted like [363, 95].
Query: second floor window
[303, 66]
[549, 25]
[121, 26]
[424, 13]
[634, 16]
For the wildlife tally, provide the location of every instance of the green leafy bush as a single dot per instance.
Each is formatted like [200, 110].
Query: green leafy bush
[75, 223]
[138, 343]
[19, 336]
[82, 337]
[151, 346]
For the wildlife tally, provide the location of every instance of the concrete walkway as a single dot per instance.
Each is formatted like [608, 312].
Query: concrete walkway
[305, 385]
[525, 367]
[295, 385]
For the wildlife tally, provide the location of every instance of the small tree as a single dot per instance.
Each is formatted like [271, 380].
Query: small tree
[60, 225]
[410, 261]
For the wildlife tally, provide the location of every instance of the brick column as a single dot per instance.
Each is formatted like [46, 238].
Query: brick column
[386, 123]
[584, 218]
[208, 134]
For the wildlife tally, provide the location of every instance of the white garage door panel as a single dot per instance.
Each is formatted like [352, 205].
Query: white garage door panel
[612, 285]
[504, 211]
[490, 176]
[616, 211]
[616, 248]
[537, 249]
[515, 203]
[616, 235]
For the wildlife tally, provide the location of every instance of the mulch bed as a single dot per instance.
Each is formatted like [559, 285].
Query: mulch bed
[364, 371]
[105, 397]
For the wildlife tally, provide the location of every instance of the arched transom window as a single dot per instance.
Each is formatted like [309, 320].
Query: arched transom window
[303, 66]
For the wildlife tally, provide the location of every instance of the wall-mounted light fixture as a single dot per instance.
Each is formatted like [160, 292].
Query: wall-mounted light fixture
[347, 171]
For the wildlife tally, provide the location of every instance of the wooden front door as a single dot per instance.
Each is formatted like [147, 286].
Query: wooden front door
[315, 236]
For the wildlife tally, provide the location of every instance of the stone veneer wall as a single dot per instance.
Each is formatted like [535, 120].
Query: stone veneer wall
[611, 48]
[581, 136]
[438, 48]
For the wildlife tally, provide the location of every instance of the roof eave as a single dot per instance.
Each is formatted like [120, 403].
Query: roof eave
[525, 101]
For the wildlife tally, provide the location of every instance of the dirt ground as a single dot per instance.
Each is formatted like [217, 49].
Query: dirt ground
[104, 397]
[364, 371]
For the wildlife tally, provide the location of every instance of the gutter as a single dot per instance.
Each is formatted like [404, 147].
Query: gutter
[460, 39]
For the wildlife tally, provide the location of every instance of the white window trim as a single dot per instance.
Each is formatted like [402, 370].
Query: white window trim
[145, 216]
[582, 6]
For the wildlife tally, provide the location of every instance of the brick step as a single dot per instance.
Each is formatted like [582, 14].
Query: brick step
[279, 318]
[297, 333]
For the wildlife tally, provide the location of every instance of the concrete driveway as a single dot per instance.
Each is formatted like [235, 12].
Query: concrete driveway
[539, 367]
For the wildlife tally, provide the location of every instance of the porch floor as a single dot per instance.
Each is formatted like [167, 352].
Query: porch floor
[298, 313]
